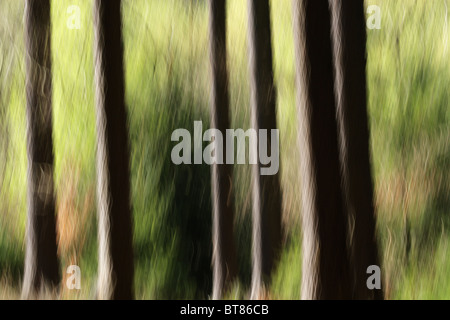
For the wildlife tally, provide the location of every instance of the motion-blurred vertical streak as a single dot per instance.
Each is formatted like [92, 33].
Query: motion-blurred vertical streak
[115, 265]
[266, 188]
[41, 263]
[224, 251]
[349, 48]
[325, 260]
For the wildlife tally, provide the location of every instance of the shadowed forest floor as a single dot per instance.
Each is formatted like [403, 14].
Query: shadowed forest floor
[167, 87]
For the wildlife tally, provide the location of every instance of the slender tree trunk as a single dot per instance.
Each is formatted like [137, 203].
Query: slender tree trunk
[325, 259]
[349, 46]
[113, 186]
[224, 252]
[266, 188]
[41, 263]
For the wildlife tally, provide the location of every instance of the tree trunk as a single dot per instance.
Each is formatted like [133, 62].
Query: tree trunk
[266, 188]
[224, 252]
[349, 45]
[325, 259]
[113, 186]
[41, 263]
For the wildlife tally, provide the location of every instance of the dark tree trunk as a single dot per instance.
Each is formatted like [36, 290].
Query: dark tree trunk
[325, 259]
[349, 44]
[266, 188]
[113, 186]
[224, 252]
[41, 263]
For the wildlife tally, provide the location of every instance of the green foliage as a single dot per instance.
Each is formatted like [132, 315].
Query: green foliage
[167, 87]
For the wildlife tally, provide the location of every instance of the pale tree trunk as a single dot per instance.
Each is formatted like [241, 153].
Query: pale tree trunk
[325, 266]
[349, 44]
[224, 252]
[266, 188]
[115, 278]
[41, 263]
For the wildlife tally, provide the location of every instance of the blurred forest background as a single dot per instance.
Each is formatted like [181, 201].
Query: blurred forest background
[167, 75]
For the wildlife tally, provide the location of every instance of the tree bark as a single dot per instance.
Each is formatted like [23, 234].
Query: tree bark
[349, 46]
[41, 262]
[325, 267]
[113, 186]
[266, 188]
[224, 252]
